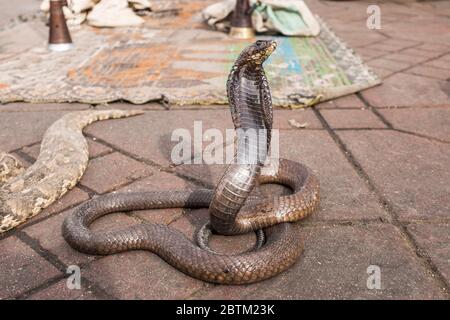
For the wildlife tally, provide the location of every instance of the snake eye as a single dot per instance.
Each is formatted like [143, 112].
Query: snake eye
[259, 43]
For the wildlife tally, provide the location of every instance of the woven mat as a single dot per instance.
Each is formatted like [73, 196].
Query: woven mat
[179, 57]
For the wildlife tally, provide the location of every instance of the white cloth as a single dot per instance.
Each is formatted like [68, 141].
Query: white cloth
[102, 13]
[267, 17]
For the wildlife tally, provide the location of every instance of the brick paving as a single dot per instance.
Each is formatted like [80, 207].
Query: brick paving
[382, 156]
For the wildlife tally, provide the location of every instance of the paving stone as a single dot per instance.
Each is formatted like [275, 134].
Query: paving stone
[433, 239]
[433, 122]
[334, 266]
[343, 194]
[159, 181]
[432, 72]
[440, 63]
[382, 73]
[22, 268]
[363, 118]
[392, 45]
[406, 58]
[411, 172]
[441, 48]
[426, 28]
[59, 291]
[140, 275]
[48, 234]
[109, 172]
[358, 39]
[348, 101]
[368, 53]
[194, 219]
[389, 64]
[17, 130]
[97, 149]
[408, 90]
[209, 175]
[304, 117]
[153, 139]
[421, 53]
[11, 10]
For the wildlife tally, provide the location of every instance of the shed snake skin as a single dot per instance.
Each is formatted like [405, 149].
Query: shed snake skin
[62, 161]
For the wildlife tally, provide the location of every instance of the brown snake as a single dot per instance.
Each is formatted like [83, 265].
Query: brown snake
[231, 213]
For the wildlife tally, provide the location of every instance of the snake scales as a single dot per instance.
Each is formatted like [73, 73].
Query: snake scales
[60, 164]
[251, 108]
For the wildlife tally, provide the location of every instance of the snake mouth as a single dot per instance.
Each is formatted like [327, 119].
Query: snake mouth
[271, 48]
[262, 50]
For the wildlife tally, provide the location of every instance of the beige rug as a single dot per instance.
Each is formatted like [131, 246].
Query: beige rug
[179, 57]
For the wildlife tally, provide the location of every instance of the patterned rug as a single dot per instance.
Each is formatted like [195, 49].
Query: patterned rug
[177, 56]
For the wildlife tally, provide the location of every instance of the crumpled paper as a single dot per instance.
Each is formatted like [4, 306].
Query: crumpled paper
[288, 17]
[102, 13]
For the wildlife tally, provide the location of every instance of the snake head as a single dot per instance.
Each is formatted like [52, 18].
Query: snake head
[257, 52]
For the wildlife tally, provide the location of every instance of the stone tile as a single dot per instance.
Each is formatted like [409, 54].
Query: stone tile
[343, 194]
[391, 45]
[368, 53]
[441, 63]
[22, 268]
[17, 131]
[48, 234]
[112, 171]
[97, 149]
[426, 28]
[389, 64]
[421, 53]
[209, 175]
[432, 72]
[433, 239]
[153, 139]
[348, 101]
[408, 90]
[356, 39]
[20, 37]
[59, 291]
[363, 118]
[400, 43]
[411, 172]
[384, 47]
[433, 122]
[140, 275]
[406, 58]
[334, 266]
[11, 11]
[382, 73]
[305, 117]
[441, 48]
[159, 181]
[193, 220]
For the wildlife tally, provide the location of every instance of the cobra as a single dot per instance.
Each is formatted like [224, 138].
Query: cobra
[232, 208]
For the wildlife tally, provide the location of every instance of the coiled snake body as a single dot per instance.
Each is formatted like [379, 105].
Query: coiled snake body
[230, 212]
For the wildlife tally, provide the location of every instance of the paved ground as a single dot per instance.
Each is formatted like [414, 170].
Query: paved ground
[382, 156]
